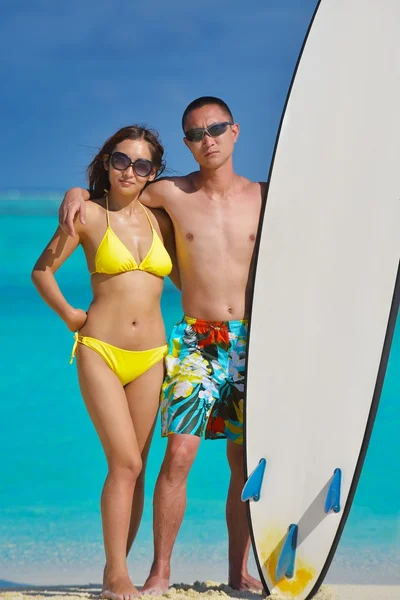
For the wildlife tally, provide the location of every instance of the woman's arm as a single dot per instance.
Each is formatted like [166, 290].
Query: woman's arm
[167, 232]
[60, 247]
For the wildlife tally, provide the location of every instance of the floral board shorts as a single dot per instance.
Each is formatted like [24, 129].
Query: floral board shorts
[203, 389]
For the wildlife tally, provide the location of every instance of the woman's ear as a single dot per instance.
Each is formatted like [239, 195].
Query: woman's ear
[153, 174]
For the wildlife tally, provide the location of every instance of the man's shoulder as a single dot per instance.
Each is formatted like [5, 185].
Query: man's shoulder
[254, 187]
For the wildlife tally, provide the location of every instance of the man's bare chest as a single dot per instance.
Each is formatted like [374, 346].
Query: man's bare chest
[214, 237]
[198, 221]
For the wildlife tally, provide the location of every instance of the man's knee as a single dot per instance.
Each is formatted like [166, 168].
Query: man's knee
[180, 455]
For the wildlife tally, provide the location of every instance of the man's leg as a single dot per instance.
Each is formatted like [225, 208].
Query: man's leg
[238, 527]
[169, 507]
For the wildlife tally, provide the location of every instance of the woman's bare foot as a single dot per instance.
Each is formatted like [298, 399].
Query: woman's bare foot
[118, 588]
[245, 583]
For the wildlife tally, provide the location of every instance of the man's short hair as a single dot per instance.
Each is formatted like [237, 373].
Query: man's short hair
[204, 101]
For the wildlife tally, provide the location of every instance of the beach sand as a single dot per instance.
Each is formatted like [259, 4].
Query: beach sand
[207, 590]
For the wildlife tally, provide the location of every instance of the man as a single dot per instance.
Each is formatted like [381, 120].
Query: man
[215, 214]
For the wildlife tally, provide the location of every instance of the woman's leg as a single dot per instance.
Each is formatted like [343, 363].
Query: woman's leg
[107, 406]
[143, 400]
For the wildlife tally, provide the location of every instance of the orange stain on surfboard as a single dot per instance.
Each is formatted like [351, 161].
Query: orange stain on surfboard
[269, 551]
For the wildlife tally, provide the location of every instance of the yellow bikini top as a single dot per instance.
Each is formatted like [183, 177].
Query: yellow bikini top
[112, 256]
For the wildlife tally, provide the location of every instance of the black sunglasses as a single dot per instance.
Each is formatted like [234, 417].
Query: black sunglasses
[197, 134]
[120, 161]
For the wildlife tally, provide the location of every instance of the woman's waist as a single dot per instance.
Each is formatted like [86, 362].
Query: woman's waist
[124, 328]
[127, 303]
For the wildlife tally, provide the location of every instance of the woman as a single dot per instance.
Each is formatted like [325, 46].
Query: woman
[120, 341]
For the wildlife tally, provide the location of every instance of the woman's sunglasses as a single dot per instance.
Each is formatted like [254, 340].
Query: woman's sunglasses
[120, 161]
[196, 135]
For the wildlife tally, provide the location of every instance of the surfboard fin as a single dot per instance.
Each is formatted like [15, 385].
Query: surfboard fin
[287, 557]
[332, 500]
[252, 487]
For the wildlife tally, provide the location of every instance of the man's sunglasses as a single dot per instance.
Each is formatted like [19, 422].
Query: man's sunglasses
[197, 134]
[120, 161]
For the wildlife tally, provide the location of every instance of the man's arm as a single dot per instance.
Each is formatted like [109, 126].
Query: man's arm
[163, 191]
[73, 204]
[264, 188]
[155, 195]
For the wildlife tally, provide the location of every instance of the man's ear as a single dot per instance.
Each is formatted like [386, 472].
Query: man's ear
[235, 130]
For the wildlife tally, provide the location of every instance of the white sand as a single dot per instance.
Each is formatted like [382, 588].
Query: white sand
[205, 591]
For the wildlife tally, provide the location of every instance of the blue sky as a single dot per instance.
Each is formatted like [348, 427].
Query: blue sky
[72, 73]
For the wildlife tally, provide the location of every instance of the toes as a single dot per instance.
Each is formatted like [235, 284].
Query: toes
[108, 595]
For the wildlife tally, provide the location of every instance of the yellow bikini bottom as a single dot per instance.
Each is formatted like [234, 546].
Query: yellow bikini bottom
[126, 364]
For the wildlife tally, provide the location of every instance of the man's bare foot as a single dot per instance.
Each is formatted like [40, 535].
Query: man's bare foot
[245, 583]
[118, 588]
[155, 585]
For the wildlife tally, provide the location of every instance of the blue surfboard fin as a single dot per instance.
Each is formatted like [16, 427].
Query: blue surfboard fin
[287, 557]
[332, 500]
[252, 487]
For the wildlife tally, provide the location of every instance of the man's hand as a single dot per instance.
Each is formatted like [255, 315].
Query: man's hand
[73, 204]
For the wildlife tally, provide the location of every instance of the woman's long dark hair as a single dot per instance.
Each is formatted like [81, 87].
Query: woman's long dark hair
[97, 174]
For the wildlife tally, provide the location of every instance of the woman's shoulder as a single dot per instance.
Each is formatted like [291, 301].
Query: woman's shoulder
[97, 205]
[95, 213]
[96, 209]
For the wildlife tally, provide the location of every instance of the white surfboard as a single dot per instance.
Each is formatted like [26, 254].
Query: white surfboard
[325, 297]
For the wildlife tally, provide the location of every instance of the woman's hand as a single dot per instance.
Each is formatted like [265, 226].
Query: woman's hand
[76, 319]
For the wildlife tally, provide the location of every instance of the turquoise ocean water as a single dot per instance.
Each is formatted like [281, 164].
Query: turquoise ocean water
[52, 468]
